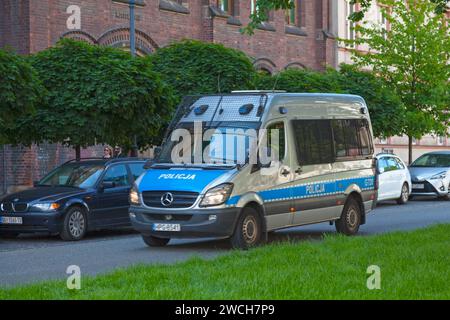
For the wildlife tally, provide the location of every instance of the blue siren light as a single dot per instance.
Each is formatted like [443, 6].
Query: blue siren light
[246, 109]
[201, 109]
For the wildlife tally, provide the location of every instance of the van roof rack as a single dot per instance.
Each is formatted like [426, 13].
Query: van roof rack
[258, 91]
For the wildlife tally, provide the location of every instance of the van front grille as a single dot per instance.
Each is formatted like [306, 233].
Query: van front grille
[180, 199]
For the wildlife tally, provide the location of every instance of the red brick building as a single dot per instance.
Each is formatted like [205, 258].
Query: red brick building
[300, 38]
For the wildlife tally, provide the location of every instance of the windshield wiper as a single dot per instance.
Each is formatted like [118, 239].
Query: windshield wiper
[195, 166]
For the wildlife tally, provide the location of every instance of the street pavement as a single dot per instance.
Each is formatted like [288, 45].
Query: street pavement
[32, 258]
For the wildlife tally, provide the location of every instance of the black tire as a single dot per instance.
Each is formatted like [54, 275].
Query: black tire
[75, 224]
[248, 232]
[446, 197]
[350, 219]
[9, 235]
[404, 194]
[152, 241]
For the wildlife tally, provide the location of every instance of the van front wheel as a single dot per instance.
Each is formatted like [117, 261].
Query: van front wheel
[350, 219]
[248, 232]
[155, 242]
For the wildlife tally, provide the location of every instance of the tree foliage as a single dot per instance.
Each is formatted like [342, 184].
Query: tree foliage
[413, 57]
[194, 67]
[99, 94]
[264, 6]
[386, 109]
[20, 91]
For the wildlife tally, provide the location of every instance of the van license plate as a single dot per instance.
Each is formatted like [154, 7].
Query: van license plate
[418, 186]
[166, 227]
[10, 220]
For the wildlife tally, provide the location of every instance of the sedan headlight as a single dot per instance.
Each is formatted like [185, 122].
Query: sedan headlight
[134, 196]
[46, 206]
[440, 175]
[217, 195]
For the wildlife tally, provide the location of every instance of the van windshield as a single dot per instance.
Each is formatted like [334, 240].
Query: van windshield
[213, 143]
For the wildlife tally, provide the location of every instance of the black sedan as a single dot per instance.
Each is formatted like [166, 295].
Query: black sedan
[76, 197]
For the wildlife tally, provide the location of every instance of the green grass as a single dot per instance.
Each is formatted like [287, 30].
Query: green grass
[414, 265]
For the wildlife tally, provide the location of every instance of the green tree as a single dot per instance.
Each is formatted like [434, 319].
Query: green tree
[195, 67]
[386, 109]
[264, 6]
[20, 91]
[99, 94]
[413, 57]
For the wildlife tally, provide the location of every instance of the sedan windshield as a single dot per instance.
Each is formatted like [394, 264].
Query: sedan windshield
[73, 175]
[432, 160]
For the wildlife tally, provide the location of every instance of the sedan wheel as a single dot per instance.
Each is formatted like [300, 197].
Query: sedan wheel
[404, 195]
[75, 225]
[447, 197]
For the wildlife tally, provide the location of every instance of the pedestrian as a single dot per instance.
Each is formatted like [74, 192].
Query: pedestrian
[107, 153]
[118, 152]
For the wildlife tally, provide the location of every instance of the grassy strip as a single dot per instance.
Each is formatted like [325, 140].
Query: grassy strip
[414, 265]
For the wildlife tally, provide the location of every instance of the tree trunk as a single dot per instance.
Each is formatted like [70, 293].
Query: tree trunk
[77, 153]
[410, 145]
[134, 149]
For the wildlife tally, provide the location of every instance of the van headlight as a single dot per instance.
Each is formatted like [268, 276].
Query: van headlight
[217, 195]
[134, 196]
[440, 175]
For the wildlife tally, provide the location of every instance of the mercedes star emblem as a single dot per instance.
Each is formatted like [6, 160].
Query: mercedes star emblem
[167, 199]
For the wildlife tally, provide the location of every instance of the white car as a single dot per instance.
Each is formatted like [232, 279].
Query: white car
[394, 179]
[431, 175]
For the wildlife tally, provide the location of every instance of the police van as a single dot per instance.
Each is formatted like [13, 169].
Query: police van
[243, 164]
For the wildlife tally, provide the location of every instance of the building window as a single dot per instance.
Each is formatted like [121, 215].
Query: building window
[226, 6]
[291, 14]
[252, 6]
[350, 26]
[382, 21]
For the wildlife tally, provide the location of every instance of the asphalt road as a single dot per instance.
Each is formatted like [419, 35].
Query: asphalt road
[32, 258]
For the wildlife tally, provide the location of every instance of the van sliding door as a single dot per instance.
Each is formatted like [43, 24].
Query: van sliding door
[314, 184]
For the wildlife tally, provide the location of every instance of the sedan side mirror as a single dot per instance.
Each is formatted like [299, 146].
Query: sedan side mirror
[107, 185]
[35, 183]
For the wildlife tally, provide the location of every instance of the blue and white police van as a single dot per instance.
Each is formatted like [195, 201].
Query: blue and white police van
[243, 164]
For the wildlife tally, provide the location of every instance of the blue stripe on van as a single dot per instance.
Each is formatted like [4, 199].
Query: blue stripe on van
[311, 190]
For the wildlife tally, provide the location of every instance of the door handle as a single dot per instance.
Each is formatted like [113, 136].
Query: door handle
[285, 172]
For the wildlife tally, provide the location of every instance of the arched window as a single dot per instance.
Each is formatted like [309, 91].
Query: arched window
[120, 38]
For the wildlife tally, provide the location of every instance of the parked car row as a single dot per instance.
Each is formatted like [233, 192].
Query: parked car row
[322, 168]
[76, 197]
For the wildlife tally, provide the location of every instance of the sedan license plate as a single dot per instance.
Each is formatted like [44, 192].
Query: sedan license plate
[10, 220]
[166, 227]
[418, 186]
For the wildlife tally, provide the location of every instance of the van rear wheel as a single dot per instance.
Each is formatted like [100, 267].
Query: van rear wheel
[248, 232]
[350, 219]
[152, 241]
